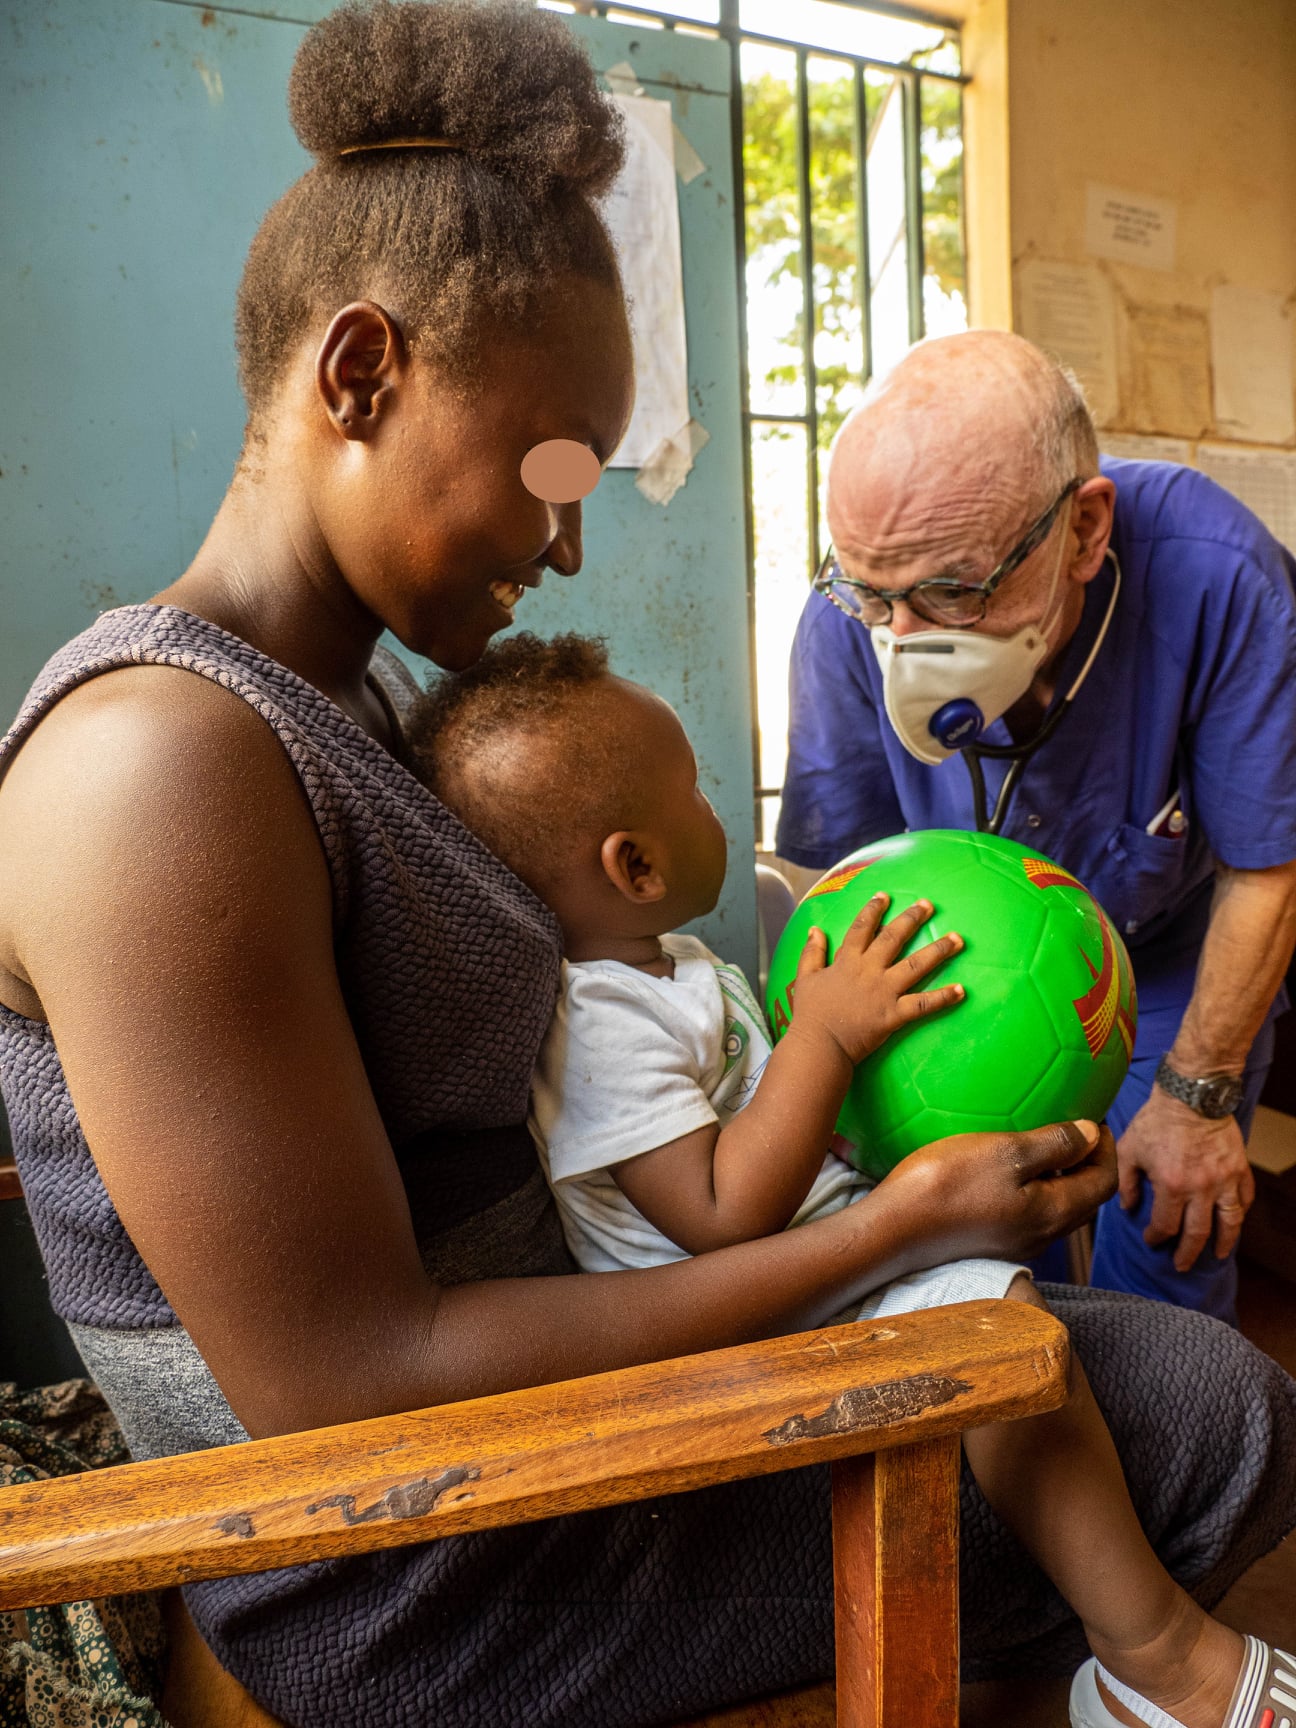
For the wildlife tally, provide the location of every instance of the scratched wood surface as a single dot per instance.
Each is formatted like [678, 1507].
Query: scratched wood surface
[895, 1564]
[895, 1545]
[662, 1428]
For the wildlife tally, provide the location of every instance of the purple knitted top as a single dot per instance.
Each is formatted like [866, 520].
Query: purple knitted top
[448, 964]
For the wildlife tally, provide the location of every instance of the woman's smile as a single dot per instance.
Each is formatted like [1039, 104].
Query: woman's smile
[506, 594]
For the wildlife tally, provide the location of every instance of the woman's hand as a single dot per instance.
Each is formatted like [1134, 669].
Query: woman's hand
[1003, 1195]
[868, 992]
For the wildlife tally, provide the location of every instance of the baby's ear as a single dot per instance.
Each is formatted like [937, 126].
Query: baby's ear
[629, 863]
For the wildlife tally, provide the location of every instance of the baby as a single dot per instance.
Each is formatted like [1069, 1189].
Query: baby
[667, 1126]
[664, 1124]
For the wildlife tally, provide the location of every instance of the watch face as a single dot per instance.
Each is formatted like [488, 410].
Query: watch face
[1219, 1097]
[1215, 1096]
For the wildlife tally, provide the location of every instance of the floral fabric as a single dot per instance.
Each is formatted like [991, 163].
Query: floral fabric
[83, 1664]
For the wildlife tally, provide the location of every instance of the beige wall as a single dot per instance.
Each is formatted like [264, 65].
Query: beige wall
[985, 125]
[1193, 100]
[1188, 100]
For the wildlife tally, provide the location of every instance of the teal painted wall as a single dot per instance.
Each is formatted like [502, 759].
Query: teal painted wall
[142, 140]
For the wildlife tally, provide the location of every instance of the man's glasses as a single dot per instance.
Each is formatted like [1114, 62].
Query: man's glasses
[940, 599]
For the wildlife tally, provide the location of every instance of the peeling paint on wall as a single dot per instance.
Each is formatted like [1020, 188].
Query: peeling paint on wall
[211, 77]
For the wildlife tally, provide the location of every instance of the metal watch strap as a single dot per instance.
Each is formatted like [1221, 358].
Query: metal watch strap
[1213, 1096]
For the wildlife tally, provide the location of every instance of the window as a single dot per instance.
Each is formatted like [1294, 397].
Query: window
[854, 247]
[852, 243]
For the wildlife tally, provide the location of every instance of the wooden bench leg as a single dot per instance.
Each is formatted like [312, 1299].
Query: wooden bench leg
[895, 1559]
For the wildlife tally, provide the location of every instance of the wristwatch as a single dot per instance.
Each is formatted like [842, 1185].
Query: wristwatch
[1212, 1096]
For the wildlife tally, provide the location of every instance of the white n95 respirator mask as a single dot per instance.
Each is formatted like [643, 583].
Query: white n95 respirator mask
[942, 688]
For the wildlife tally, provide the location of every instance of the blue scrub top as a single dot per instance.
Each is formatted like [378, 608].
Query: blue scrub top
[1193, 690]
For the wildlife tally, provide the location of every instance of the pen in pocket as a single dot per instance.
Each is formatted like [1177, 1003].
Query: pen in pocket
[1169, 821]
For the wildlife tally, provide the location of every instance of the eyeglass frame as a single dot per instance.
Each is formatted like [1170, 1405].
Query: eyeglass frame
[1034, 537]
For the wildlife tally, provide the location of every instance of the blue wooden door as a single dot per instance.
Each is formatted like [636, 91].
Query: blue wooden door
[142, 140]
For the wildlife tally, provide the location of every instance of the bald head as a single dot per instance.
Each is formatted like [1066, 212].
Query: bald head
[968, 436]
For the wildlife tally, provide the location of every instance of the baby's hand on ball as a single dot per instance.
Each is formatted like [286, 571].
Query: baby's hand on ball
[868, 992]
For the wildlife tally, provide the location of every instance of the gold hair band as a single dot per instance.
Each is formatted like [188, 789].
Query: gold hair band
[402, 144]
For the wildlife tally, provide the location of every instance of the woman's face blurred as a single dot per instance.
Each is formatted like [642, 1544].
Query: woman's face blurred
[433, 528]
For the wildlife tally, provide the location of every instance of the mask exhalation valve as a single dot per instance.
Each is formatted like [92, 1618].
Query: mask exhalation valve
[957, 723]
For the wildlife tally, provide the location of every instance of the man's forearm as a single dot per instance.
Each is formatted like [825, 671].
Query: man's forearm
[1247, 949]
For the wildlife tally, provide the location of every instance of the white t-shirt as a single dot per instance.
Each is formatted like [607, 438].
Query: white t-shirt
[632, 1062]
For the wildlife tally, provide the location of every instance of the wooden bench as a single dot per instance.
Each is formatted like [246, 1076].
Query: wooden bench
[10, 1186]
[883, 1404]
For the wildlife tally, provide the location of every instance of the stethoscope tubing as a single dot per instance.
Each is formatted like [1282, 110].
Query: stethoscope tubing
[1018, 755]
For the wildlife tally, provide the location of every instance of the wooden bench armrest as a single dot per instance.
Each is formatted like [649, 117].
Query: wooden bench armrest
[627, 1435]
[10, 1186]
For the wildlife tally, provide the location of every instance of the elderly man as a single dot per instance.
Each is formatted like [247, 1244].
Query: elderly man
[985, 569]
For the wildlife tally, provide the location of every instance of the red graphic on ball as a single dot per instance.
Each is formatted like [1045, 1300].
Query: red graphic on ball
[1103, 1005]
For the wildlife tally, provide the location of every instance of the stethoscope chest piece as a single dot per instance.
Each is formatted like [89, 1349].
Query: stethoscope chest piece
[957, 723]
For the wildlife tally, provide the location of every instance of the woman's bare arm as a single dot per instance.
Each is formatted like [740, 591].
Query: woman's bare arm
[181, 947]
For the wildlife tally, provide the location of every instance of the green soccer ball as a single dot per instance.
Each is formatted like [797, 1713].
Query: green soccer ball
[1047, 1028]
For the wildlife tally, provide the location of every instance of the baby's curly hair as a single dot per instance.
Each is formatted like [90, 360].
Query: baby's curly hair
[525, 753]
[454, 239]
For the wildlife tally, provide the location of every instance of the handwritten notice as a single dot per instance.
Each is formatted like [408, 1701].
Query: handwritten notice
[1251, 353]
[1129, 227]
[1068, 311]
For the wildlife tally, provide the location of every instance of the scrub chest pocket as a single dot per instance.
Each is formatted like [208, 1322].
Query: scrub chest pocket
[1147, 875]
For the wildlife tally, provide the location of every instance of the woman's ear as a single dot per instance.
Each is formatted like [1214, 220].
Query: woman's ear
[359, 364]
[629, 865]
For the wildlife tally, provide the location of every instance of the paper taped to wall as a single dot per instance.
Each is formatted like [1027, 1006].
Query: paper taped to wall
[642, 212]
[1131, 227]
[1135, 447]
[1251, 352]
[671, 463]
[1067, 309]
[688, 164]
[1265, 481]
[1168, 358]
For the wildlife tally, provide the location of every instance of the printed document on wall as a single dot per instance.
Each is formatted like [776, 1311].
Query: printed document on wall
[1068, 310]
[1251, 353]
[642, 211]
[1137, 447]
[1265, 481]
[1167, 370]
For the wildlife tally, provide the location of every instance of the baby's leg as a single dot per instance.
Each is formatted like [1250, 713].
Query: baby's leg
[1056, 1481]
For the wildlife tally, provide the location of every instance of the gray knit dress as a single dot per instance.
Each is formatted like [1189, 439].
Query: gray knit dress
[619, 1619]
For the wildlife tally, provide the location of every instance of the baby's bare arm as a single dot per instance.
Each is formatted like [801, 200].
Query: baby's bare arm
[718, 1186]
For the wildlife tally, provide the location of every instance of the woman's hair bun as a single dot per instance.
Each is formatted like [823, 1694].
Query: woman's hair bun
[510, 86]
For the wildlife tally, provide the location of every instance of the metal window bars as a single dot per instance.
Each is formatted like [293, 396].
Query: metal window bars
[888, 100]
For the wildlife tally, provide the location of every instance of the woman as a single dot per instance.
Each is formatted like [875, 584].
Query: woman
[292, 1006]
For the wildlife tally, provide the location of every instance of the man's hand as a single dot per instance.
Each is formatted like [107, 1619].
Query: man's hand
[1199, 1174]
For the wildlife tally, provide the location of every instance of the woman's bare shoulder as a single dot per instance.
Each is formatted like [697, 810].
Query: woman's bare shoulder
[138, 709]
[134, 788]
